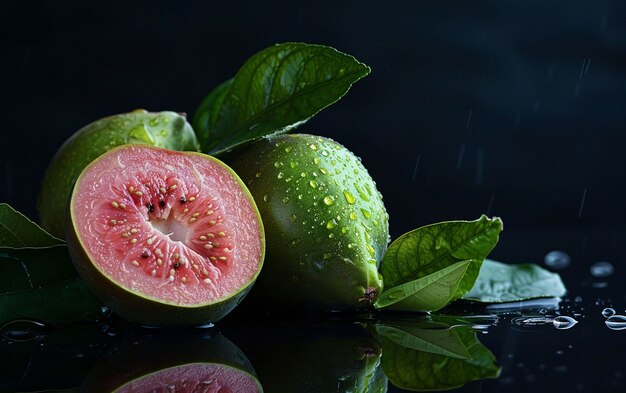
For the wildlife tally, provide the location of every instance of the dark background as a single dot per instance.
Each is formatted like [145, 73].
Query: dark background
[514, 108]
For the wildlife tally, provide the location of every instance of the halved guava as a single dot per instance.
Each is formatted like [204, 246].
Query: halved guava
[164, 237]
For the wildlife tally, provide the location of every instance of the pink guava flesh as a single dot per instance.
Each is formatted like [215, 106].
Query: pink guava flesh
[195, 377]
[175, 227]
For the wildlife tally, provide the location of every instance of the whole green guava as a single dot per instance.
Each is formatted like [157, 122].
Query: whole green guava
[169, 130]
[325, 221]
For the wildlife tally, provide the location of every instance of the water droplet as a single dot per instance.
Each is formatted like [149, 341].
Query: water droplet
[303, 174]
[280, 175]
[163, 133]
[292, 218]
[608, 312]
[601, 269]
[278, 164]
[286, 199]
[24, 330]
[293, 164]
[616, 322]
[319, 265]
[316, 161]
[557, 260]
[370, 249]
[328, 200]
[327, 255]
[265, 198]
[578, 299]
[349, 197]
[330, 224]
[324, 171]
[141, 134]
[313, 183]
[563, 322]
[258, 174]
[344, 229]
[352, 215]
[366, 213]
[324, 153]
[153, 122]
[287, 149]
[313, 146]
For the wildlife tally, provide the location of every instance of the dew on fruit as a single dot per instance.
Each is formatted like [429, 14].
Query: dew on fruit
[324, 153]
[328, 200]
[285, 199]
[616, 322]
[313, 184]
[265, 197]
[135, 263]
[349, 197]
[608, 312]
[330, 224]
[352, 215]
[115, 204]
[280, 175]
[313, 146]
[316, 160]
[366, 213]
[278, 164]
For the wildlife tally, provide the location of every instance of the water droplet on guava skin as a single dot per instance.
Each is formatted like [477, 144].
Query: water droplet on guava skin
[265, 198]
[286, 199]
[352, 215]
[616, 322]
[608, 312]
[601, 269]
[313, 184]
[563, 322]
[313, 146]
[349, 197]
[557, 260]
[366, 213]
[328, 200]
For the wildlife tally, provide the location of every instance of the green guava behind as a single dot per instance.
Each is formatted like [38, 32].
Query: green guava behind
[169, 130]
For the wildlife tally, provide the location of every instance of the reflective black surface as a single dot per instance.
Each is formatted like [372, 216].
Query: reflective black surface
[513, 109]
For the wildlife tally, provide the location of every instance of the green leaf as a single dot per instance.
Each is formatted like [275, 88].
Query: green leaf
[428, 249]
[208, 112]
[276, 90]
[499, 282]
[428, 293]
[62, 302]
[438, 341]
[417, 369]
[17, 231]
[28, 268]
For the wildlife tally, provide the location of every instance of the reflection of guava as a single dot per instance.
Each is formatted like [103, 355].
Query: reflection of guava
[169, 363]
[342, 359]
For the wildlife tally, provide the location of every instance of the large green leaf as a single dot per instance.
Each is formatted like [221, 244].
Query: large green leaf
[274, 91]
[428, 293]
[499, 282]
[423, 368]
[431, 248]
[17, 231]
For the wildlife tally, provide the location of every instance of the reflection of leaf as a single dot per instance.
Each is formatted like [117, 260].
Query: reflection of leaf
[428, 293]
[274, 91]
[438, 341]
[499, 282]
[17, 231]
[431, 248]
[417, 370]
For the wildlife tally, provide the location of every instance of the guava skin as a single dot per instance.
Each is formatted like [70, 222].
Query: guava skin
[163, 129]
[140, 309]
[325, 221]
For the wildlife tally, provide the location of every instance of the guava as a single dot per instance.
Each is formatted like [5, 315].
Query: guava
[164, 129]
[326, 224]
[344, 358]
[164, 237]
[166, 363]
